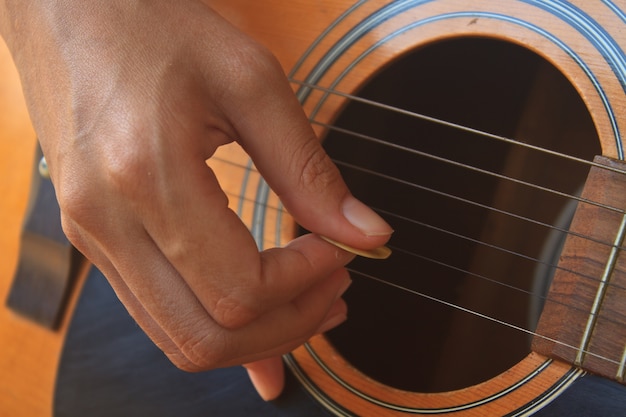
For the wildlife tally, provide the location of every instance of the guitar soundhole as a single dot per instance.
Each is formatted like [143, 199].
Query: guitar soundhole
[463, 242]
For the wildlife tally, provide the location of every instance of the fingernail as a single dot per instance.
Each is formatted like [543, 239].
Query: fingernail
[337, 313]
[332, 322]
[365, 219]
[344, 287]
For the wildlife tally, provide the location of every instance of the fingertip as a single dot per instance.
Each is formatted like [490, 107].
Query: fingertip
[267, 376]
[336, 316]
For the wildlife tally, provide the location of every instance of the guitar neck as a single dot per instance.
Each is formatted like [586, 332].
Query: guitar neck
[584, 319]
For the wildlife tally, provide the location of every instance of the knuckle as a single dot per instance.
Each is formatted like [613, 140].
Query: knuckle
[232, 312]
[316, 172]
[124, 171]
[179, 360]
[71, 198]
[73, 234]
[192, 350]
[202, 353]
[184, 365]
[252, 65]
[186, 358]
[82, 197]
[76, 204]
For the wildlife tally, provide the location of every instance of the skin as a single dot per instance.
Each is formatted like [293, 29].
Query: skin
[129, 99]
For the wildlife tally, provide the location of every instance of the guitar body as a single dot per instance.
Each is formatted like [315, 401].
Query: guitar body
[551, 74]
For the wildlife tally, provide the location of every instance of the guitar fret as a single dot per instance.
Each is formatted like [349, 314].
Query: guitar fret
[597, 303]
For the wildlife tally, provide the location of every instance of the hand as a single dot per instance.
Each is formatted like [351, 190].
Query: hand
[129, 99]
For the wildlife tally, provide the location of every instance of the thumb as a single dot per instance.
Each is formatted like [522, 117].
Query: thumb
[277, 135]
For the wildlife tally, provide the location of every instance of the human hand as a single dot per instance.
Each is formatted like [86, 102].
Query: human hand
[129, 99]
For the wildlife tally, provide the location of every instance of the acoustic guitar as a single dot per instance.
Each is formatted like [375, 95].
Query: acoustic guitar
[489, 134]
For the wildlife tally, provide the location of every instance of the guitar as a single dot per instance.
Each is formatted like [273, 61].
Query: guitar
[489, 134]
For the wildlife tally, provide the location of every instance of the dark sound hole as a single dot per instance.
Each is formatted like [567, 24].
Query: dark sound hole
[449, 245]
